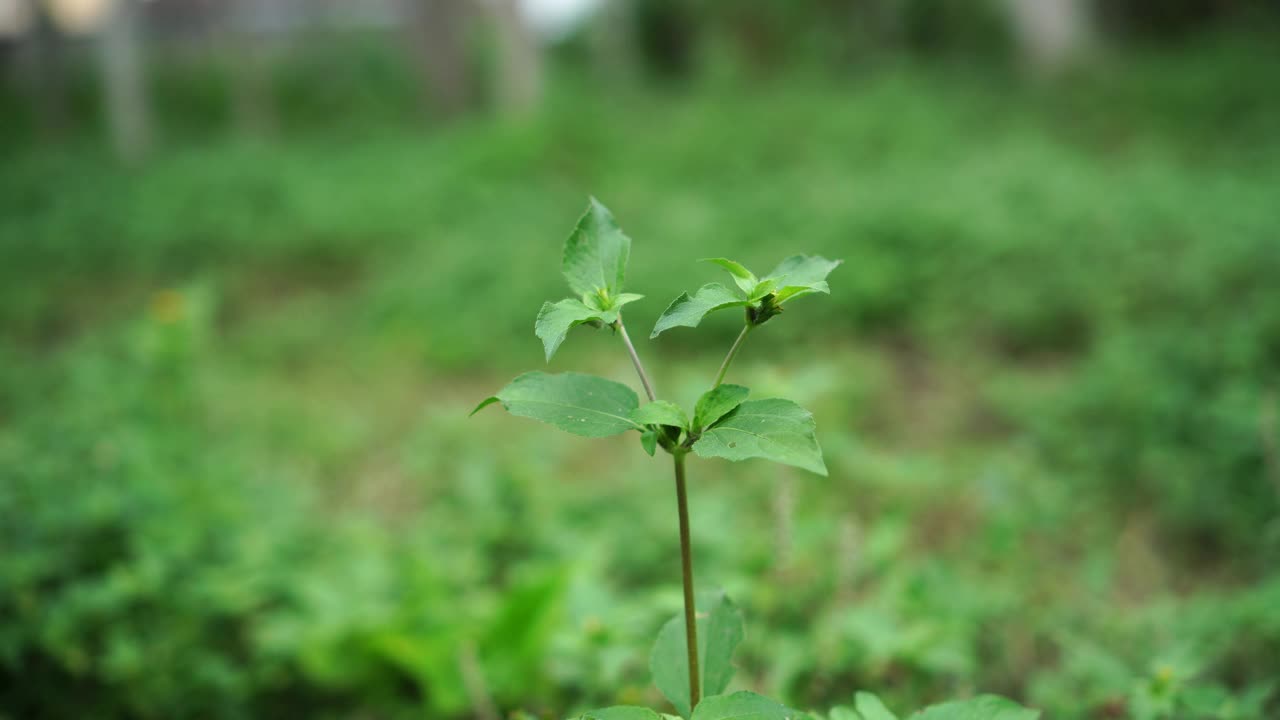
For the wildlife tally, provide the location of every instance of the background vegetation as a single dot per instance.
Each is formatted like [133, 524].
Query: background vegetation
[237, 478]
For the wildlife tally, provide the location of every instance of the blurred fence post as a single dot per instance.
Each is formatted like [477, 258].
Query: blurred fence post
[124, 82]
[613, 40]
[43, 68]
[436, 33]
[1052, 34]
[247, 39]
[518, 84]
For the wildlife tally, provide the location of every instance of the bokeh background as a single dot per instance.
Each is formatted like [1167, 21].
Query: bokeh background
[260, 258]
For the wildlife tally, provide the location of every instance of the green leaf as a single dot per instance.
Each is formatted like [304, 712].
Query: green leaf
[869, 707]
[596, 253]
[555, 320]
[762, 288]
[983, 707]
[800, 275]
[621, 712]
[717, 401]
[743, 277]
[719, 632]
[581, 404]
[649, 441]
[742, 706]
[661, 412]
[686, 311]
[596, 301]
[775, 429]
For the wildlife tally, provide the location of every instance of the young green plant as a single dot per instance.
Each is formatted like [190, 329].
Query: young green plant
[724, 422]
[691, 659]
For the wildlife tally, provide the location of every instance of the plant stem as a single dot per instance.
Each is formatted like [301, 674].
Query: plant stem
[635, 360]
[686, 546]
[686, 562]
[724, 366]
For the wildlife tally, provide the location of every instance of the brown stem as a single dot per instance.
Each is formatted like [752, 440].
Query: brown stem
[733, 351]
[686, 562]
[635, 360]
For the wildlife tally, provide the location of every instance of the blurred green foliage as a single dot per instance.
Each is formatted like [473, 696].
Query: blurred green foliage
[237, 479]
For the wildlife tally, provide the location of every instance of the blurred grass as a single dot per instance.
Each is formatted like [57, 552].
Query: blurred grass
[233, 384]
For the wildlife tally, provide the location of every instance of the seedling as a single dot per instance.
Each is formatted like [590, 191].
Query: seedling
[696, 663]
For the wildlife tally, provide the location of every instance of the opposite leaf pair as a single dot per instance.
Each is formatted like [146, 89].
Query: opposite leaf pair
[670, 424]
[595, 266]
[725, 424]
[794, 277]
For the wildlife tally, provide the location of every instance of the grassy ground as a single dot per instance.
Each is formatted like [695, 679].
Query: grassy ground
[233, 388]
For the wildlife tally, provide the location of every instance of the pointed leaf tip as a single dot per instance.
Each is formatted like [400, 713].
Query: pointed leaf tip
[742, 277]
[580, 404]
[596, 253]
[484, 404]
